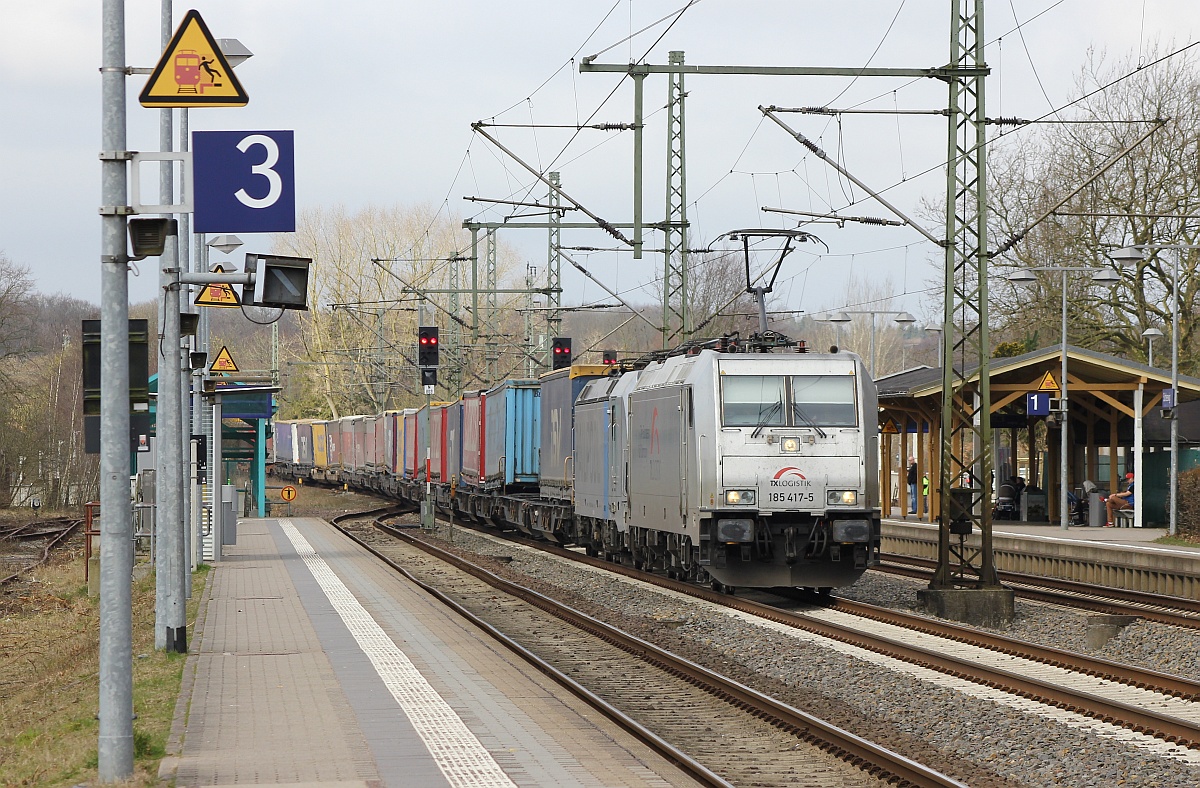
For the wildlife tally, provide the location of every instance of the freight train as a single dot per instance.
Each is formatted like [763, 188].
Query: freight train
[730, 468]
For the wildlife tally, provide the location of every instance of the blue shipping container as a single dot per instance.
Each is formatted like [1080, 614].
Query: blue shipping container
[513, 426]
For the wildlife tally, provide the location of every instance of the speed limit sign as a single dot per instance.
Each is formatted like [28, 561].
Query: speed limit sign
[288, 493]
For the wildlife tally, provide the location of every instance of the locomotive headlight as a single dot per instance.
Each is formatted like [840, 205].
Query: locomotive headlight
[789, 445]
[841, 497]
[740, 497]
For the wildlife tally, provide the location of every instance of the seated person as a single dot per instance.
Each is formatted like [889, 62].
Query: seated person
[1118, 501]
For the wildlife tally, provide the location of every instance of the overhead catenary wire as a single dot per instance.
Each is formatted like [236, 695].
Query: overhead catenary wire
[1027, 21]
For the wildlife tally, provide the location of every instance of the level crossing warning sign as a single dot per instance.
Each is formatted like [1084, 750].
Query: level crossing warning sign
[193, 72]
[223, 362]
[218, 295]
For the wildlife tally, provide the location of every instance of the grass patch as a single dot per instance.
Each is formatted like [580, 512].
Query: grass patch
[49, 679]
[1177, 541]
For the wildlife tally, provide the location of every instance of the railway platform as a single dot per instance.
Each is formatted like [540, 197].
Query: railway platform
[1124, 558]
[1020, 528]
[313, 663]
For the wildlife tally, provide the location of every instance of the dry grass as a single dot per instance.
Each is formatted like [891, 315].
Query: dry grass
[49, 686]
[49, 663]
[316, 501]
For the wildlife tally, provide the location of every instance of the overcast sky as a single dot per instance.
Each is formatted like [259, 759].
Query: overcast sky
[381, 96]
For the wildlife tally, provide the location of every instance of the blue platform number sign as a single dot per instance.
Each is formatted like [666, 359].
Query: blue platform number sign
[245, 181]
[1168, 398]
[1037, 403]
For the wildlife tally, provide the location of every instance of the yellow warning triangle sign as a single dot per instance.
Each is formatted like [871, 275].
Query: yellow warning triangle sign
[223, 362]
[193, 72]
[218, 295]
[889, 427]
[1048, 383]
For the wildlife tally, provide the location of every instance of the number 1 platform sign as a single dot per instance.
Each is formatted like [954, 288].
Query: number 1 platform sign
[244, 181]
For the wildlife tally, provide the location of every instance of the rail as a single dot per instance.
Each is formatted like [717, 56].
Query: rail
[881, 762]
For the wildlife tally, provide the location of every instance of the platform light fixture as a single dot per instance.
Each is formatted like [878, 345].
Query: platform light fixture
[844, 316]
[1101, 276]
[1136, 254]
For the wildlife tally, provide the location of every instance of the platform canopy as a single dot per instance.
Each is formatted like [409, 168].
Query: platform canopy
[1102, 391]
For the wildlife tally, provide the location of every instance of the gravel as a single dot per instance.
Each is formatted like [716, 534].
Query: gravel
[980, 742]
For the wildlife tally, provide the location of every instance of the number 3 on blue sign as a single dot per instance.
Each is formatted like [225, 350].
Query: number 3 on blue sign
[264, 169]
[244, 181]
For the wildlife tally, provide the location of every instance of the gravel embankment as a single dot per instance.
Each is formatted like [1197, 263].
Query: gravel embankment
[981, 742]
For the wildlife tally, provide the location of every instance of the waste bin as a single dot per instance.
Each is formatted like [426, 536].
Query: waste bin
[1096, 512]
[228, 514]
[1033, 507]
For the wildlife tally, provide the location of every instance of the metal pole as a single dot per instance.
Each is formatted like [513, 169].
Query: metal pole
[872, 345]
[638, 128]
[115, 739]
[1173, 521]
[185, 392]
[427, 504]
[216, 478]
[1063, 509]
[1138, 456]
[169, 630]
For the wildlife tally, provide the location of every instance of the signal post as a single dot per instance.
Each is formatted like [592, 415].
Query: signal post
[427, 361]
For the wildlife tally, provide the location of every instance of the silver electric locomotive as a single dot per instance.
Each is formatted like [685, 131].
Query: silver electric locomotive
[746, 469]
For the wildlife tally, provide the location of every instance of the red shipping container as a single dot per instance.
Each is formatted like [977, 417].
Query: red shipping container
[474, 437]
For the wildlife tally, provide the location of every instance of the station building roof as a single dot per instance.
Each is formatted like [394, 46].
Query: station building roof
[1089, 366]
[1110, 380]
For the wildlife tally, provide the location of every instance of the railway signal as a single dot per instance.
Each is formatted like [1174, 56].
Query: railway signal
[427, 346]
[610, 356]
[560, 353]
[429, 377]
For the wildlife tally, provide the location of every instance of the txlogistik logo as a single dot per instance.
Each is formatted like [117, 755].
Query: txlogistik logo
[790, 477]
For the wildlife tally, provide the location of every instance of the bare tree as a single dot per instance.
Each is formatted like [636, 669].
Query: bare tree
[1151, 195]
[354, 349]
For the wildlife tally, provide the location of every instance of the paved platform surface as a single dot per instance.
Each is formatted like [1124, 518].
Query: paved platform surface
[1123, 536]
[313, 664]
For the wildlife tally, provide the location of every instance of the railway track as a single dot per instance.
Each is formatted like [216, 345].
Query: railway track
[1142, 701]
[1172, 610]
[727, 733]
[44, 534]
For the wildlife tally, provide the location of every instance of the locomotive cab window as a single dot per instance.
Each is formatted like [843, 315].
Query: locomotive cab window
[753, 400]
[788, 401]
[825, 400]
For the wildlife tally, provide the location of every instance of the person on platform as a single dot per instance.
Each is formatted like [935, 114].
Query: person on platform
[1118, 501]
[912, 485]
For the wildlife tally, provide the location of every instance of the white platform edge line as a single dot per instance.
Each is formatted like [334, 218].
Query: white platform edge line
[458, 753]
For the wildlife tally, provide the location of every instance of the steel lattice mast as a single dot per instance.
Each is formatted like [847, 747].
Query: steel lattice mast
[966, 450]
[677, 318]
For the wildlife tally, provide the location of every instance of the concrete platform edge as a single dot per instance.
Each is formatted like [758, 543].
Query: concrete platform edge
[169, 765]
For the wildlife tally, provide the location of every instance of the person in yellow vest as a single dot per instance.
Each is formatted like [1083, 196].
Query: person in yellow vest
[924, 492]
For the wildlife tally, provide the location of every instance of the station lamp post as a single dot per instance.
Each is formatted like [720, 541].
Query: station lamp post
[1135, 254]
[938, 330]
[1100, 275]
[1151, 334]
[843, 316]
[837, 318]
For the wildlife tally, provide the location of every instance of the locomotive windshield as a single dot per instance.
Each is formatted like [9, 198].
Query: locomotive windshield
[753, 400]
[827, 400]
[791, 401]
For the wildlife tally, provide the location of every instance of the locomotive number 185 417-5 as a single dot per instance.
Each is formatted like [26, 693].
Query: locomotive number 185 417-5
[791, 497]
